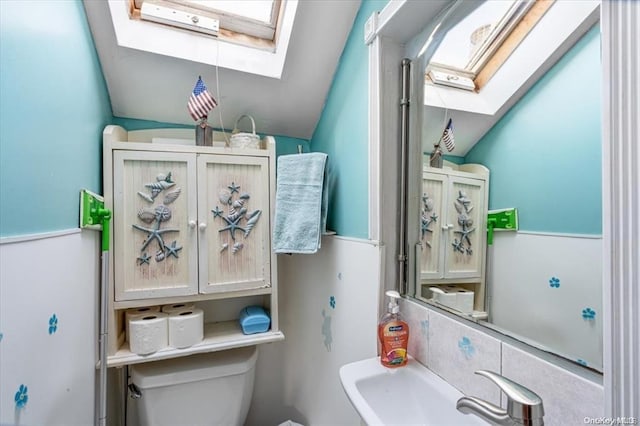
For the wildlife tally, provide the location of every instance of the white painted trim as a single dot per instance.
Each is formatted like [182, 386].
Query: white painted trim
[555, 234]
[42, 236]
[620, 21]
[374, 139]
[386, 15]
[178, 43]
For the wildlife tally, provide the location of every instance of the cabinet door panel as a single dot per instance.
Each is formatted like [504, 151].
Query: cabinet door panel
[467, 235]
[155, 249]
[234, 207]
[432, 219]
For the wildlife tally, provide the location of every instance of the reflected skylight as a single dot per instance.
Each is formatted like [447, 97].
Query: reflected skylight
[462, 41]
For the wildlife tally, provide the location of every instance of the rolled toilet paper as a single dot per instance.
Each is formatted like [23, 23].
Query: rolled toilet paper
[186, 328]
[148, 334]
[133, 313]
[169, 309]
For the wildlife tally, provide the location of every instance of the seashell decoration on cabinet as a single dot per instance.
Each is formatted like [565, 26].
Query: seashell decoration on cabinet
[154, 217]
[237, 212]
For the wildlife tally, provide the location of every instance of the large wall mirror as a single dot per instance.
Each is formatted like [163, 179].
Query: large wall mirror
[511, 143]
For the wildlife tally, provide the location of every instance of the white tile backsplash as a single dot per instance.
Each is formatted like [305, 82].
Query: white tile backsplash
[438, 342]
[567, 398]
[418, 320]
[456, 351]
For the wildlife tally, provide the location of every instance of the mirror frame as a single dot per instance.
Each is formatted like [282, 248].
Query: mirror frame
[386, 34]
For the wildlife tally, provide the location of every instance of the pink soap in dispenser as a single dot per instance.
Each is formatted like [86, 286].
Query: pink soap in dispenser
[393, 334]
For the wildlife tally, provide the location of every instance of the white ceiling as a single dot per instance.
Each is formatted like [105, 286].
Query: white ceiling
[154, 87]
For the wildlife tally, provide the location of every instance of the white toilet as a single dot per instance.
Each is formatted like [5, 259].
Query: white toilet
[206, 389]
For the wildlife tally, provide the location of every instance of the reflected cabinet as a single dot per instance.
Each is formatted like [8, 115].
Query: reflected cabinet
[453, 215]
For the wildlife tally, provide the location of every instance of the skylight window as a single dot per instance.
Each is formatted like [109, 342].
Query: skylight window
[471, 44]
[231, 20]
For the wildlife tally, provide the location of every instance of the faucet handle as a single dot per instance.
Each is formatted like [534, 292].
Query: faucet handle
[523, 405]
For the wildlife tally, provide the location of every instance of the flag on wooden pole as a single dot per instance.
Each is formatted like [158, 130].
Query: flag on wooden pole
[201, 101]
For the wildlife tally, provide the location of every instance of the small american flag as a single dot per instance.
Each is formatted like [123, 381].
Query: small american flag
[201, 101]
[447, 137]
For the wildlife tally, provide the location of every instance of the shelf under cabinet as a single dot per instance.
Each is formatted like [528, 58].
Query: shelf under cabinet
[201, 297]
[217, 337]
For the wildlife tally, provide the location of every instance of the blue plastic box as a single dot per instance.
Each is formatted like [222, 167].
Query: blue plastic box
[254, 319]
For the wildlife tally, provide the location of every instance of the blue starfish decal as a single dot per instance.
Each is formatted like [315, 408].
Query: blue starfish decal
[232, 225]
[217, 212]
[233, 187]
[173, 249]
[554, 282]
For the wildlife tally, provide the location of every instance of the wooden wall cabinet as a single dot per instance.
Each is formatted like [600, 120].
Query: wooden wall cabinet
[190, 224]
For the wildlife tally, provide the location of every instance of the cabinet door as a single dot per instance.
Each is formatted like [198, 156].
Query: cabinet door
[234, 217]
[155, 247]
[466, 220]
[433, 205]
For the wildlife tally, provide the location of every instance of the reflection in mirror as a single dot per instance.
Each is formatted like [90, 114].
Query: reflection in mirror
[526, 165]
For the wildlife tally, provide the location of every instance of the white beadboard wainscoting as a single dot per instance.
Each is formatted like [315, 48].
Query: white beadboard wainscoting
[48, 332]
[329, 316]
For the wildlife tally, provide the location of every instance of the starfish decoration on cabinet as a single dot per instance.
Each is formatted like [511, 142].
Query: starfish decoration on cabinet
[144, 259]
[232, 225]
[154, 234]
[217, 212]
[233, 187]
[173, 249]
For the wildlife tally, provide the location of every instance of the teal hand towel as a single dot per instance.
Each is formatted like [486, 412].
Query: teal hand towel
[300, 203]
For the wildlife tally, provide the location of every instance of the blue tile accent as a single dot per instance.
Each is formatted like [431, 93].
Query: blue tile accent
[332, 302]
[467, 348]
[581, 362]
[53, 324]
[1, 336]
[554, 282]
[424, 327]
[588, 314]
[21, 397]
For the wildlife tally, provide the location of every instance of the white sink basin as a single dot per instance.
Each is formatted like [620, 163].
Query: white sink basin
[409, 395]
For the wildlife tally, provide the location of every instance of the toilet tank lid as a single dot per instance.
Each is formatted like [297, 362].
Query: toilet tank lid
[194, 368]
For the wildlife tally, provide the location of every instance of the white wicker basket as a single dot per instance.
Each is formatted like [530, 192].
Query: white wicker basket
[243, 139]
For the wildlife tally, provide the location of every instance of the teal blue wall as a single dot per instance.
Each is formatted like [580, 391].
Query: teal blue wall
[545, 153]
[284, 144]
[53, 108]
[343, 133]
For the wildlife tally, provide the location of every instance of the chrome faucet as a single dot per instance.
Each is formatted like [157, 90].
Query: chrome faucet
[524, 407]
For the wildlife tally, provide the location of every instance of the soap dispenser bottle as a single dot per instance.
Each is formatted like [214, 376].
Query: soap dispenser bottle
[393, 334]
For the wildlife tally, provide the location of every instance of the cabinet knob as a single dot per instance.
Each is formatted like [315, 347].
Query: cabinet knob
[192, 224]
[202, 226]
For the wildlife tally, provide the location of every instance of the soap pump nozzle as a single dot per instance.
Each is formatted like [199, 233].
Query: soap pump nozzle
[393, 301]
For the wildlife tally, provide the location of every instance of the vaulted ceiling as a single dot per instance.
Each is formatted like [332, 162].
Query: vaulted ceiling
[155, 87]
